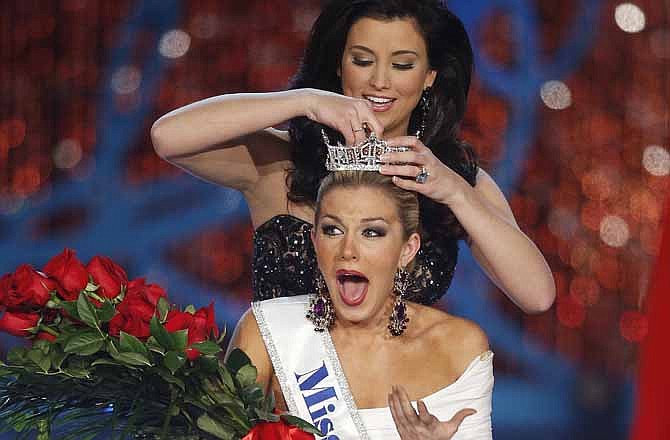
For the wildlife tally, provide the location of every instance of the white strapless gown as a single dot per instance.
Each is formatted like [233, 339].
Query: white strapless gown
[472, 389]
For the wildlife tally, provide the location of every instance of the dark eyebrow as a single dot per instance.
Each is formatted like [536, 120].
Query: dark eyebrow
[373, 219]
[364, 220]
[397, 52]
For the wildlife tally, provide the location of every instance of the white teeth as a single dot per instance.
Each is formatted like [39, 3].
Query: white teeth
[378, 100]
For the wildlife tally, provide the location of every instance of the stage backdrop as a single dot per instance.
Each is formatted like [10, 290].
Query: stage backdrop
[568, 111]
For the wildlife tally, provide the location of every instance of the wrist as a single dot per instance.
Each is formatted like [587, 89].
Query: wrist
[460, 196]
[306, 98]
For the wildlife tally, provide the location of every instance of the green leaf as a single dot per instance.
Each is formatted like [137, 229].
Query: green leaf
[40, 359]
[17, 356]
[220, 395]
[252, 395]
[76, 372]
[227, 378]
[163, 308]
[42, 345]
[236, 360]
[246, 375]
[209, 364]
[103, 361]
[129, 343]
[190, 309]
[111, 347]
[135, 359]
[207, 347]
[222, 336]
[85, 343]
[302, 424]
[154, 346]
[86, 312]
[160, 334]
[57, 358]
[179, 339]
[211, 426]
[168, 377]
[71, 308]
[266, 416]
[106, 312]
[174, 361]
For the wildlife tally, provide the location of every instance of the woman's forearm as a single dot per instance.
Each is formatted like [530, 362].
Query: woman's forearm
[219, 120]
[508, 256]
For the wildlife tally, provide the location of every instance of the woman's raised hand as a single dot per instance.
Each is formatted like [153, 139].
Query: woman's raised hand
[343, 113]
[422, 425]
[440, 182]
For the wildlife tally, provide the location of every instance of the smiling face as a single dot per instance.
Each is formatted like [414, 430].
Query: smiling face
[386, 62]
[360, 243]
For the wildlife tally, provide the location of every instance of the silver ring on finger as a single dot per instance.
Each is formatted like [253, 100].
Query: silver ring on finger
[422, 177]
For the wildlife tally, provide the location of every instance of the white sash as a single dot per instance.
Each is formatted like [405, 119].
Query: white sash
[306, 365]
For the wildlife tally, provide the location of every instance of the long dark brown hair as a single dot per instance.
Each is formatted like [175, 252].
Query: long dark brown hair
[450, 55]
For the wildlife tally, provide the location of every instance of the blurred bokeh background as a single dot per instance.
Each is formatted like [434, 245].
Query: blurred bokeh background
[569, 112]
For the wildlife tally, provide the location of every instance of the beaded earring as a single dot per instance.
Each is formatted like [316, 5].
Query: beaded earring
[398, 319]
[424, 103]
[321, 311]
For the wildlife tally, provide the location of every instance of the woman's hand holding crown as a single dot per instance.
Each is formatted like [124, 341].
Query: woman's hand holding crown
[440, 182]
[422, 425]
[343, 113]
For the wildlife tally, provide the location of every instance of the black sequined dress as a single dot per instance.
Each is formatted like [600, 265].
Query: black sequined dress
[284, 262]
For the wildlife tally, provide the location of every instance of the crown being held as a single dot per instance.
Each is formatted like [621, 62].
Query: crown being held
[364, 156]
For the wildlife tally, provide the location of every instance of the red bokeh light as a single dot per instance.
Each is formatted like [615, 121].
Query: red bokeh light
[570, 312]
[633, 325]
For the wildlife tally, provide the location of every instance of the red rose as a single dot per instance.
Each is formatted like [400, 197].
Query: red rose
[45, 336]
[141, 299]
[277, 431]
[26, 288]
[18, 324]
[199, 325]
[136, 309]
[108, 275]
[177, 320]
[203, 325]
[6, 286]
[69, 272]
[129, 324]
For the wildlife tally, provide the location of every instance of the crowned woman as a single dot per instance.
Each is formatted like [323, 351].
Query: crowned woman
[355, 357]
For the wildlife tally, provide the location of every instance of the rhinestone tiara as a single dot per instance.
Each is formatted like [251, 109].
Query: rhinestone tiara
[364, 156]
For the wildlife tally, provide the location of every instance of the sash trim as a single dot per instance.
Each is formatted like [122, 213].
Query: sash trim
[344, 385]
[274, 357]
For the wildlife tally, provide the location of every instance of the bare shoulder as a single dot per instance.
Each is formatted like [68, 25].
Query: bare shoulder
[246, 331]
[247, 337]
[458, 339]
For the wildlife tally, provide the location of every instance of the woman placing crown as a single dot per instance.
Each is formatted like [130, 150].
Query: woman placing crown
[372, 353]
[401, 68]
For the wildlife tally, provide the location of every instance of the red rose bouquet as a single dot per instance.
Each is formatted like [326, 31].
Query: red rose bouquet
[111, 357]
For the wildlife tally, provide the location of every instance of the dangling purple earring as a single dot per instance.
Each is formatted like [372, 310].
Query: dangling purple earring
[424, 103]
[321, 311]
[398, 319]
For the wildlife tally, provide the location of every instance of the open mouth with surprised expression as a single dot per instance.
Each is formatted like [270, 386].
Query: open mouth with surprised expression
[352, 286]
